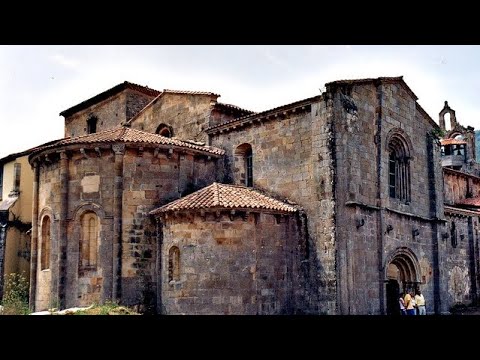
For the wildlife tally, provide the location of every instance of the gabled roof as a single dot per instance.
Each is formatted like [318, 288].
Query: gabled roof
[222, 196]
[396, 79]
[234, 108]
[247, 118]
[107, 94]
[388, 80]
[167, 91]
[128, 135]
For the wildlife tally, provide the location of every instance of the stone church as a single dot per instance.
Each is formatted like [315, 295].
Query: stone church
[181, 204]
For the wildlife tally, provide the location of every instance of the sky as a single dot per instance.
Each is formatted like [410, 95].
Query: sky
[40, 81]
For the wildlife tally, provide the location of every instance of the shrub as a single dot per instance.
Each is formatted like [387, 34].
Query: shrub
[15, 295]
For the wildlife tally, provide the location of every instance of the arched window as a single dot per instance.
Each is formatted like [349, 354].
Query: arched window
[92, 125]
[244, 164]
[453, 235]
[164, 130]
[399, 169]
[45, 241]
[89, 240]
[174, 264]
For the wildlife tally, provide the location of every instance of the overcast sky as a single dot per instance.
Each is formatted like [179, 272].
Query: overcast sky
[38, 82]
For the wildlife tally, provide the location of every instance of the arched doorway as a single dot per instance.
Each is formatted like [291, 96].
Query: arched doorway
[402, 275]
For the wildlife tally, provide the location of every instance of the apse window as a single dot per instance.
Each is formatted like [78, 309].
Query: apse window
[244, 164]
[89, 241]
[45, 241]
[92, 125]
[174, 264]
[164, 130]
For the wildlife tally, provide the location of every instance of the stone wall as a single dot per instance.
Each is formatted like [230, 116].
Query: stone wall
[365, 117]
[48, 205]
[292, 159]
[188, 115]
[217, 116]
[459, 186]
[150, 179]
[232, 266]
[90, 188]
[135, 102]
[110, 112]
[457, 256]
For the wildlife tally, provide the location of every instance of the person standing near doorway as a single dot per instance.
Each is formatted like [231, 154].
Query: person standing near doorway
[409, 303]
[401, 303]
[420, 301]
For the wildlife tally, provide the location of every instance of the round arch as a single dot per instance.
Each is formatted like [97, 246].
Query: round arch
[398, 138]
[454, 134]
[82, 208]
[407, 263]
[402, 274]
[164, 130]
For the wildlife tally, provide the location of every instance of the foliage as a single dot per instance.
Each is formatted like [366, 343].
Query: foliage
[109, 308]
[15, 295]
[437, 134]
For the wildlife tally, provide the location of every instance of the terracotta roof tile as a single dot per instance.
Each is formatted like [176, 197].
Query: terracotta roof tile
[470, 201]
[188, 92]
[128, 135]
[222, 196]
[452, 141]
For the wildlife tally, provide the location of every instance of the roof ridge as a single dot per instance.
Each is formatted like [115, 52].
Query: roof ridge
[106, 94]
[192, 92]
[137, 115]
[216, 194]
[264, 112]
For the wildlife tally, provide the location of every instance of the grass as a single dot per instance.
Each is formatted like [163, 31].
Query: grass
[108, 308]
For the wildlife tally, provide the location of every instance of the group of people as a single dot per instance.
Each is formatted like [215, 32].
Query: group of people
[413, 303]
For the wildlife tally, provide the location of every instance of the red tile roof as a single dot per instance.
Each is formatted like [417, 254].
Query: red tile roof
[470, 201]
[222, 196]
[107, 94]
[452, 141]
[189, 92]
[128, 135]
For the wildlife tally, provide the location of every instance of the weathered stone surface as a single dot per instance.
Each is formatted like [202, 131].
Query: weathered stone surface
[350, 249]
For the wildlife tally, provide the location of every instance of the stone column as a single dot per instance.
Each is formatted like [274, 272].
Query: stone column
[34, 241]
[119, 150]
[62, 243]
[379, 201]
